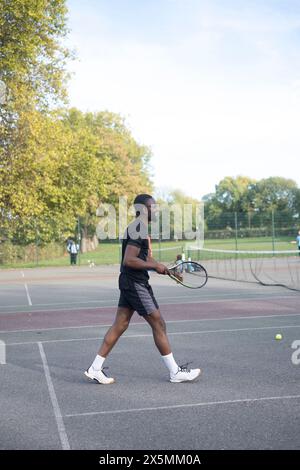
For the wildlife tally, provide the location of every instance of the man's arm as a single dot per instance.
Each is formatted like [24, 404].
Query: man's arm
[132, 260]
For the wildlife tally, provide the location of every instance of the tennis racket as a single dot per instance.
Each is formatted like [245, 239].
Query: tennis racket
[188, 274]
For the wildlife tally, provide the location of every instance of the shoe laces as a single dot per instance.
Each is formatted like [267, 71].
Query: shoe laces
[184, 367]
[103, 369]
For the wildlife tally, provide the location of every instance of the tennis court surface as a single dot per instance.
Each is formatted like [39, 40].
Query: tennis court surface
[52, 321]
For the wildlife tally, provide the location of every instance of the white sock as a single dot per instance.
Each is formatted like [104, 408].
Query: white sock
[98, 362]
[170, 363]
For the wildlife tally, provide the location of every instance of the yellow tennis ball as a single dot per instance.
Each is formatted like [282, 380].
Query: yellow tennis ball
[278, 336]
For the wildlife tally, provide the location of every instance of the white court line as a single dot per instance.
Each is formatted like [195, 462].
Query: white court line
[83, 302]
[187, 405]
[58, 416]
[150, 335]
[204, 298]
[114, 303]
[142, 323]
[28, 295]
[56, 304]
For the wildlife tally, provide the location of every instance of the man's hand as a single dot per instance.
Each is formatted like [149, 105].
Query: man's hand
[178, 276]
[132, 260]
[161, 269]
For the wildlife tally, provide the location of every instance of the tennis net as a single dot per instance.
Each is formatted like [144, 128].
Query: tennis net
[270, 268]
[168, 254]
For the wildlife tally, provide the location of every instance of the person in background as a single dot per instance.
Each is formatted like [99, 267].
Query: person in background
[178, 259]
[73, 249]
[179, 270]
[190, 268]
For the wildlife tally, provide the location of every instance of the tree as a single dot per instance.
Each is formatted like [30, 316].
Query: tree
[32, 66]
[121, 164]
[176, 201]
[32, 56]
[233, 194]
[130, 173]
[254, 202]
[275, 193]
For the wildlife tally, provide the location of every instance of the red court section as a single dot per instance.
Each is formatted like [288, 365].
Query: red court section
[217, 309]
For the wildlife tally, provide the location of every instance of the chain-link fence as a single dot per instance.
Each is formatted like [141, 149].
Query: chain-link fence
[40, 242]
[236, 229]
[32, 241]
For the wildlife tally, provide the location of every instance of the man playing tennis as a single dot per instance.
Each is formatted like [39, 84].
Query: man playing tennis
[136, 295]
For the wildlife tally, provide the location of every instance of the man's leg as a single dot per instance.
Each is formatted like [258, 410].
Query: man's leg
[120, 324]
[177, 373]
[159, 331]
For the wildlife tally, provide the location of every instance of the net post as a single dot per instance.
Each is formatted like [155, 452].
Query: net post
[236, 230]
[236, 243]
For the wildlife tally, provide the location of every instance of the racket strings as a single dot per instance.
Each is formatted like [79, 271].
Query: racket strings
[193, 278]
[189, 274]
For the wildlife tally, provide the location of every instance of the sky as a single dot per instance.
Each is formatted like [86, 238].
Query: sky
[211, 86]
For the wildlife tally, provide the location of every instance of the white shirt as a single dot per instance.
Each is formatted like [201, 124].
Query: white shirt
[74, 248]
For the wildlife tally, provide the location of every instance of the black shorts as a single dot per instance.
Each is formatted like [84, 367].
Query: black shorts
[138, 297]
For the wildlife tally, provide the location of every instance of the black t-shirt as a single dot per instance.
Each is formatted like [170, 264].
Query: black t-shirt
[137, 275]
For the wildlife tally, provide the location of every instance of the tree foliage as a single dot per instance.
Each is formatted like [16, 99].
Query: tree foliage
[255, 199]
[56, 164]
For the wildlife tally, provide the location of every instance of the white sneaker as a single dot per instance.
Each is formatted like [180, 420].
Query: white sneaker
[185, 375]
[99, 376]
